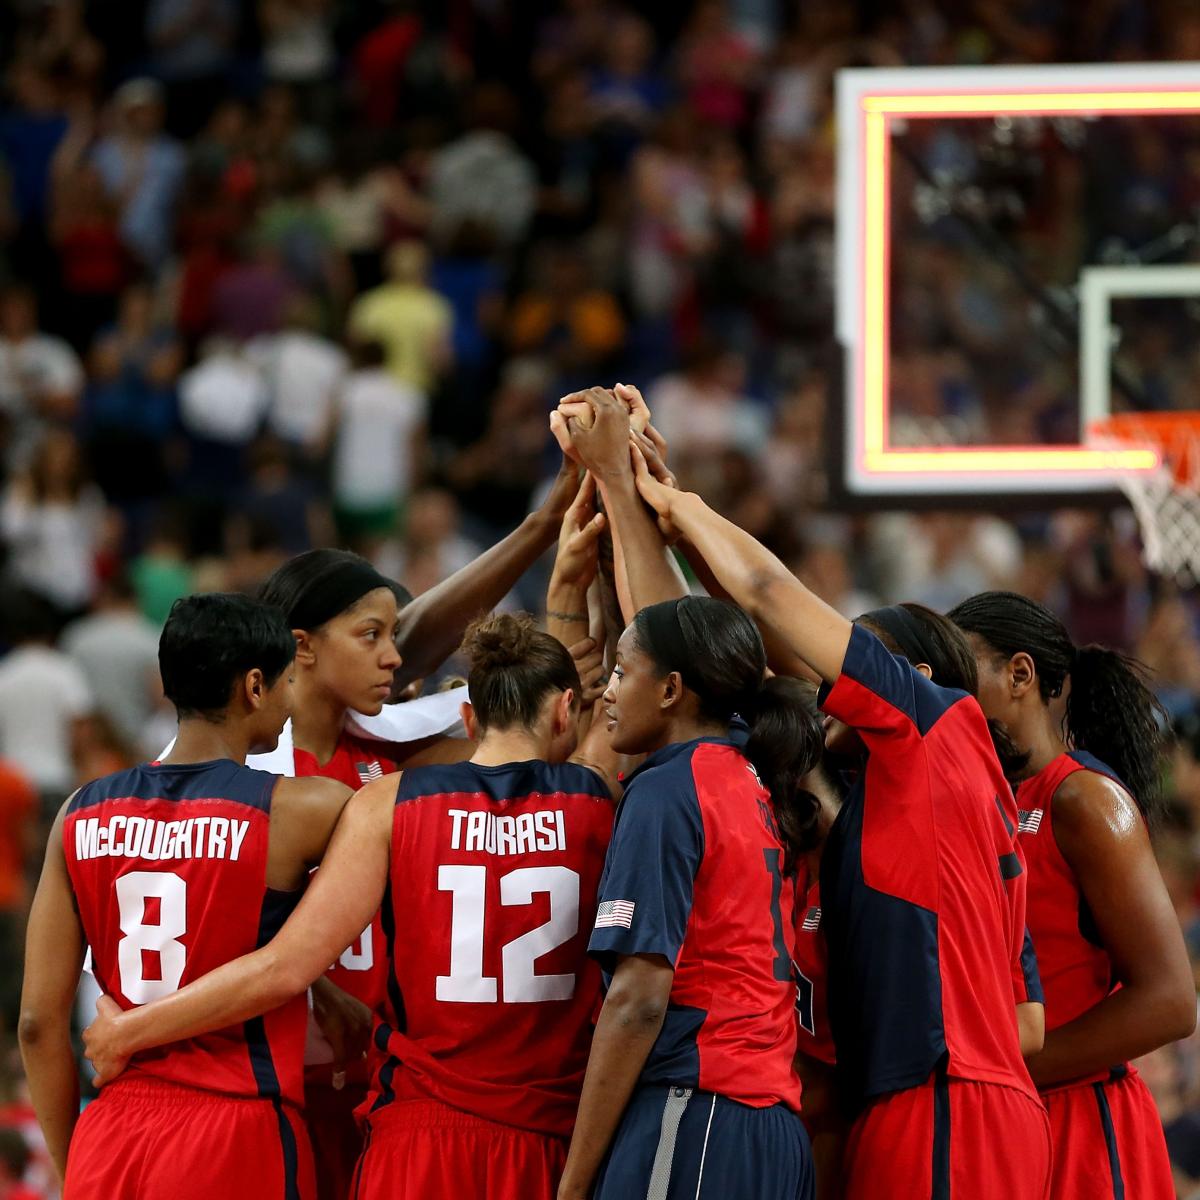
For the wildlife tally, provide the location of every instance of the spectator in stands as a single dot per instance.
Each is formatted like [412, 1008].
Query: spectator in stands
[18, 842]
[131, 404]
[303, 372]
[51, 519]
[251, 296]
[482, 178]
[116, 647]
[162, 572]
[41, 377]
[142, 168]
[378, 442]
[565, 319]
[84, 230]
[30, 132]
[43, 698]
[278, 506]
[191, 44]
[410, 319]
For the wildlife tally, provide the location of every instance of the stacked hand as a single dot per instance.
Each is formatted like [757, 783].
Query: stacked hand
[576, 561]
[593, 675]
[578, 412]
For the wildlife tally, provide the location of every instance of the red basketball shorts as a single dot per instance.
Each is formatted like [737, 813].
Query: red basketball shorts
[336, 1138]
[1108, 1142]
[950, 1139]
[423, 1150]
[148, 1138]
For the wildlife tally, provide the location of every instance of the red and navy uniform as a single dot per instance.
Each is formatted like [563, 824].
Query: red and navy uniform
[1106, 1133]
[485, 1029]
[168, 865]
[811, 960]
[923, 903]
[695, 875]
[361, 970]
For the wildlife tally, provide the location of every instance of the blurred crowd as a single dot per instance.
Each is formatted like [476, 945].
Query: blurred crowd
[285, 273]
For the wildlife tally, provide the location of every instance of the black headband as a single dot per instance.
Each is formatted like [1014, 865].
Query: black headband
[667, 642]
[336, 592]
[906, 631]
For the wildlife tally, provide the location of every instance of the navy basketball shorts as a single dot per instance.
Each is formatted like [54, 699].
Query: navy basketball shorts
[675, 1143]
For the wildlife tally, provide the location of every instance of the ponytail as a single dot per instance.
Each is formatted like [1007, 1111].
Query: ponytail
[785, 745]
[1110, 711]
[1112, 714]
[718, 652]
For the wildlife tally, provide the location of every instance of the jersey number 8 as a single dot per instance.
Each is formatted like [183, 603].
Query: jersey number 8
[466, 983]
[136, 893]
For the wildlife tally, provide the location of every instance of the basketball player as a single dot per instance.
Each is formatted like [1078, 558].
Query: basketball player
[166, 871]
[690, 1080]
[488, 872]
[921, 885]
[354, 647]
[1112, 958]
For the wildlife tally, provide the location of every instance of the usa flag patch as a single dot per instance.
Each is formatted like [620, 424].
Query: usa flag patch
[812, 920]
[369, 771]
[612, 914]
[1031, 821]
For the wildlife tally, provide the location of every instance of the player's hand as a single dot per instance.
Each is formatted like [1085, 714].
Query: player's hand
[346, 1024]
[593, 677]
[102, 1043]
[639, 412]
[562, 492]
[654, 452]
[577, 559]
[603, 443]
[658, 495]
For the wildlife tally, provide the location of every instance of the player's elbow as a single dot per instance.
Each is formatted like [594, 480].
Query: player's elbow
[1031, 1026]
[1178, 1014]
[283, 979]
[33, 1029]
[638, 1005]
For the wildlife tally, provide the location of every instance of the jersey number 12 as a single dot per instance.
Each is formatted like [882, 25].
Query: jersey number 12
[466, 983]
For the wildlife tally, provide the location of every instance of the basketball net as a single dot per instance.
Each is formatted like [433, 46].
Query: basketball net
[1166, 501]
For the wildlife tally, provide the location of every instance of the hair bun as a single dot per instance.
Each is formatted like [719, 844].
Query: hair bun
[499, 640]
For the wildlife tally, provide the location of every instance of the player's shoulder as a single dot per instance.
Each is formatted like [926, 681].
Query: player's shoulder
[1093, 798]
[310, 795]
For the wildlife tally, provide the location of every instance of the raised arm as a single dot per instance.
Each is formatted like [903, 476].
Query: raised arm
[752, 576]
[53, 961]
[569, 619]
[342, 898]
[431, 628]
[645, 569]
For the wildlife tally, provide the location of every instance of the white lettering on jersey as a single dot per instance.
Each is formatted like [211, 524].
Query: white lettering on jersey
[525, 833]
[119, 836]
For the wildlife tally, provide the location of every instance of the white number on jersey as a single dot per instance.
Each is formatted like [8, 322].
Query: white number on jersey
[133, 890]
[466, 983]
[360, 954]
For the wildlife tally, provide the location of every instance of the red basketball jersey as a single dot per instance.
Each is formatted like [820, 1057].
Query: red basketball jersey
[695, 875]
[811, 959]
[1076, 970]
[491, 897]
[361, 969]
[923, 888]
[169, 864]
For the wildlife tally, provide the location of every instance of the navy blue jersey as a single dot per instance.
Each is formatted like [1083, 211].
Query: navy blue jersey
[922, 887]
[694, 874]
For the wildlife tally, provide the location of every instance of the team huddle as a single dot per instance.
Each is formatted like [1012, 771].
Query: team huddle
[719, 896]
